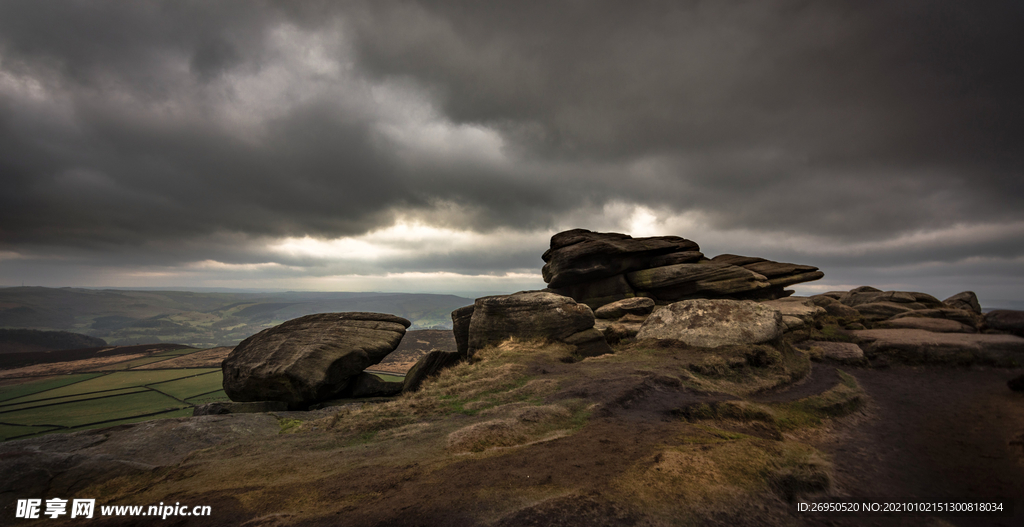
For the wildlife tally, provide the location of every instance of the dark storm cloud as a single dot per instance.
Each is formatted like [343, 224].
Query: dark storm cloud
[188, 131]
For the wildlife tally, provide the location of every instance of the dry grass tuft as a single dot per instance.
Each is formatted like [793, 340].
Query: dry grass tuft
[488, 434]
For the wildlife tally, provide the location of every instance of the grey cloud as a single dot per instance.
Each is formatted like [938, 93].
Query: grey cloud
[854, 121]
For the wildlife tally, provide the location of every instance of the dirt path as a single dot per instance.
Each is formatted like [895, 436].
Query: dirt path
[932, 432]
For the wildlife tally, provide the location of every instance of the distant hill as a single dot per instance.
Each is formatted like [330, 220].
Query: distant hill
[207, 319]
[31, 340]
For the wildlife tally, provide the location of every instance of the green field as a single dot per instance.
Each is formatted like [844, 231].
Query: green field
[118, 395]
[65, 403]
[28, 388]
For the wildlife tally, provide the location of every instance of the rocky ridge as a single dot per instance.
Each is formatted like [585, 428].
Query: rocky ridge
[600, 268]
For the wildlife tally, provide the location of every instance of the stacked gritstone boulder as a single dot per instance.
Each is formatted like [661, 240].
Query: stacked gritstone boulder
[600, 268]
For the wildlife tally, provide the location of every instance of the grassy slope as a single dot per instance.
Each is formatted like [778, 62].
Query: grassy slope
[525, 432]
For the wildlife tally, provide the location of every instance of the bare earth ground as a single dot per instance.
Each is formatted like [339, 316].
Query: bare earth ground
[932, 432]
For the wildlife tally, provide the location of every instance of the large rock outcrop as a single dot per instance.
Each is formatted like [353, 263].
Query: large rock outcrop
[1006, 320]
[600, 268]
[528, 315]
[713, 323]
[311, 358]
[916, 345]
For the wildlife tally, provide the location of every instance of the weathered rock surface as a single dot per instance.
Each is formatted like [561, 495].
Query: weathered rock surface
[60, 465]
[841, 351]
[802, 308]
[311, 358]
[580, 255]
[778, 274]
[959, 315]
[627, 306]
[1006, 320]
[528, 315]
[428, 365]
[681, 281]
[918, 345]
[883, 310]
[966, 300]
[370, 385]
[938, 325]
[835, 307]
[460, 326]
[589, 343]
[870, 295]
[600, 268]
[254, 407]
[713, 323]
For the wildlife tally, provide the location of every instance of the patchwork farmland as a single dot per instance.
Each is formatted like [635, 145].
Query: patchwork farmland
[100, 387]
[78, 395]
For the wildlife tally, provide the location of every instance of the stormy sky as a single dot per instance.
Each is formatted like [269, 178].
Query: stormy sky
[436, 146]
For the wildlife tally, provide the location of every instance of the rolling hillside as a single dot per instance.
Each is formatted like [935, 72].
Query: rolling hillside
[123, 317]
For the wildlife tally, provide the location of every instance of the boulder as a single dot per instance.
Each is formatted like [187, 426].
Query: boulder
[792, 323]
[589, 343]
[938, 325]
[597, 293]
[311, 358]
[840, 351]
[802, 308]
[967, 300]
[628, 306]
[526, 315]
[255, 407]
[1016, 384]
[870, 295]
[1006, 320]
[371, 385]
[918, 345]
[834, 307]
[676, 258]
[681, 281]
[881, 310]
[580, 255]
[959, 315]
[600, 268]
[778, 274]
[429, 365]
[461, 318]
[616, 332]
[713, 323]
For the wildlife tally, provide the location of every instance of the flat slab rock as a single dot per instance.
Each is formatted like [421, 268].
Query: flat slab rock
[626, 306]
[841, 351]
[927, 346]
[799, 307]
[937, 325]
[713, 323]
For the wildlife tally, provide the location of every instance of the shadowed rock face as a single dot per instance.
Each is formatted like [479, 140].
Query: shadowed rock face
[1006, 320]
[600, 268]
[311, 358]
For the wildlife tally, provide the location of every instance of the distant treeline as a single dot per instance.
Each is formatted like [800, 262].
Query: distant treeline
[23, 340]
